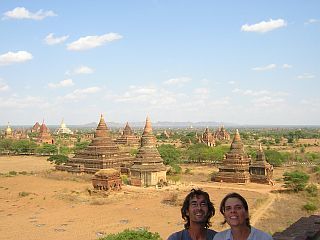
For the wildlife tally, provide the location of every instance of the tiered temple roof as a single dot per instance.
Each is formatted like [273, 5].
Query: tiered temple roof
[45, 135]
[222, 134]
[63, 129]
[128, 138]
[36, 127]
[235, 166]
[101, 153]
[260, 170]
[8, 133]
[208, 138]
[148, 168]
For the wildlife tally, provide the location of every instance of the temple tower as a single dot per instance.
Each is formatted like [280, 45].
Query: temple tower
[8, 133]
[222, 134]
[128, 138]
[148, 168]
[235, 166]
[208, 138]
[260, 170]
[63, 129]
[102, 153]
[44, 134]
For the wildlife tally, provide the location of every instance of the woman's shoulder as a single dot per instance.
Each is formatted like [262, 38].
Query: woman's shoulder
[222, 235]
[258, 234]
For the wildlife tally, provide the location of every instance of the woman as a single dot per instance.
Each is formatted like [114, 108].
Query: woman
[235, 210]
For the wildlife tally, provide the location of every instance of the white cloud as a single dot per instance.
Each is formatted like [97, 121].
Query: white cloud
[3, 86]
[264, 26]
[306, 76]
[51, 40]
[258, 93]
[23, 102]
[265, 68]
[201, 91]
[311, 21]
[14, 57]
[177, 81]
[83, 70]
[63, 83]
[81, 93]
[285, 65]
[267, 101]
[231, 82]
[88, 42]
[23, 13]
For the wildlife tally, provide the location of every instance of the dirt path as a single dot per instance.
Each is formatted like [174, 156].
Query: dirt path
[262, 209]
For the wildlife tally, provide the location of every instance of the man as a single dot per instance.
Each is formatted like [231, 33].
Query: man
[197, 209]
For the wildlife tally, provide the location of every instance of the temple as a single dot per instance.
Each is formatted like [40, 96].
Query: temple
[63, 129]
[221, 134]
[235, 166]
[107, 179]
[208, 138]
[8, 134]
[148, 168]
[45, 135]
[35, 127]
[128, 138]
[260, 170]
[101, 153]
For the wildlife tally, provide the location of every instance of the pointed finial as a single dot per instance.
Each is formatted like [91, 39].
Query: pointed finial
[147, 128]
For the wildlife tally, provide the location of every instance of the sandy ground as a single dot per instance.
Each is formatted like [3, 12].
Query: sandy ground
[46, 205]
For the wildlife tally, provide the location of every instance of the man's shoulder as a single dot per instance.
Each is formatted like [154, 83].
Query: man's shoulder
[176, 235]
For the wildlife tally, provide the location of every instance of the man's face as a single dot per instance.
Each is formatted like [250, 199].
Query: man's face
[198, 209]
[234, 212]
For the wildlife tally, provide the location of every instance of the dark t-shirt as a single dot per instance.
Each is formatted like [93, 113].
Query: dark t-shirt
[184, 235]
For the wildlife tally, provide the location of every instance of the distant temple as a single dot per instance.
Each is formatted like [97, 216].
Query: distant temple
[36, 127]
[260, 170]
[101, 153]
[8, 134]
[128, 138]
[63, 129]
[222, 134]
[45, 135]
[148, 168]
[235, 166]
[208, 138]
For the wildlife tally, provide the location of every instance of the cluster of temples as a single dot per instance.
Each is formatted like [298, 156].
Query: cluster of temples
[146, 169]
[209, 138]
[238, 167]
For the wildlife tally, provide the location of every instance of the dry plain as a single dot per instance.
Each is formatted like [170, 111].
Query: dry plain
[40, 203]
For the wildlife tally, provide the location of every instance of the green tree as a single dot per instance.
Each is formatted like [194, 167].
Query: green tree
[296, 180]
[58, 159]
[24, 146]
[133, 235]
[48, 149]
[6, 144]
[80, 146]
[170, 154]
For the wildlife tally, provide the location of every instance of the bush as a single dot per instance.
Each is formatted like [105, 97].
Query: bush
[295, 180]
[140, 234]
[312, 190]
[58, 159]
[310, 207]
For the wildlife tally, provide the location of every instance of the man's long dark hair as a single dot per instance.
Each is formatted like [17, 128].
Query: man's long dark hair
[243, 201]
[186, 203]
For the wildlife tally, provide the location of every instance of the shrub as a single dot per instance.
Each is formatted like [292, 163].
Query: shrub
[312, 190]
[127, 234]
[13, 173]
[23, 194]
[58, 159]
[295, 180]
[310, 207]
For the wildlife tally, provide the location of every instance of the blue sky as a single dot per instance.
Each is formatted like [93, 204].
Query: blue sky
[245, 62]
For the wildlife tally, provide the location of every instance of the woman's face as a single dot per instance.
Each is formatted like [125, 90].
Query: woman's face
[235, 213]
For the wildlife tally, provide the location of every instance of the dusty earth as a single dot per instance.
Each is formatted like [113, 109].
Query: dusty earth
[40, 203]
